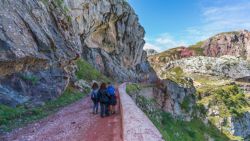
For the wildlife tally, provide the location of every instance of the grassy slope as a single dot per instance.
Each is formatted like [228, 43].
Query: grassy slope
[11, 118]
[175, 129]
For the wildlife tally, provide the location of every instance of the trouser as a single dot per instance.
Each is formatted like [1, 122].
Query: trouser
[104, 109]
[95, 107]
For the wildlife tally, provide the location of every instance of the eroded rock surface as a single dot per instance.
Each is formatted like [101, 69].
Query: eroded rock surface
[41, 39]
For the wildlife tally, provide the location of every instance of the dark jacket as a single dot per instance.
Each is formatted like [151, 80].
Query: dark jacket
[95, 96]
[103, 96]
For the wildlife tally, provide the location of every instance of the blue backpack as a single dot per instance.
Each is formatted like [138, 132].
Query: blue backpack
[111, 90]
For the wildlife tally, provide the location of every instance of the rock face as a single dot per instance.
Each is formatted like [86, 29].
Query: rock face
[241, 126]
[40, 40]
[227, 66]
[230, 43]
[172, 98]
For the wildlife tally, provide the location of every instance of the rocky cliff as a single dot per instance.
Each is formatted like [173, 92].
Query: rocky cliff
[41, 39]
[229, 43]
[220, 70]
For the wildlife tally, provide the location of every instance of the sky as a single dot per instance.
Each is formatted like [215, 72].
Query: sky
[172, 23]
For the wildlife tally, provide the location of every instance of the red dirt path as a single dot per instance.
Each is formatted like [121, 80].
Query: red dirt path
[72, 123]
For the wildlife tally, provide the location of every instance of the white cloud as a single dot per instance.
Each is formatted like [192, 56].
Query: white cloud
[216, 19]
[152, 46]
[220, 16]
[163, 42]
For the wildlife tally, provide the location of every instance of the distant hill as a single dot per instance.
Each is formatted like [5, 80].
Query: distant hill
[150, 52]
[236, 43]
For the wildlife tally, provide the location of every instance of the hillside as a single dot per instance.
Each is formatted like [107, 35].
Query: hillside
[235, 43]
[219, 69]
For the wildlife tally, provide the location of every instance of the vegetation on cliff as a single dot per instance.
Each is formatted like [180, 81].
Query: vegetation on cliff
[171, 128]
[87, 72]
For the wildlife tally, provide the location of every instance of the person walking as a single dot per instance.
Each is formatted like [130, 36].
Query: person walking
[111, 93]
[104, 100]
[95, 97]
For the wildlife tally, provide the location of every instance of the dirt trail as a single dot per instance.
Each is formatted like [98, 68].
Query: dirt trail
[72, 123]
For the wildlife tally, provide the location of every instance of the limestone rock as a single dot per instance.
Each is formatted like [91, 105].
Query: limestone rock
[240, 126]
[151, 52]
[228, 66]
[230, 43]
[40, 41]
[171, 96]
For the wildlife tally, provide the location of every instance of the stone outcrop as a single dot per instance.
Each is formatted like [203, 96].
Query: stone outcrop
[227, 66]
[175, 99]
[229, 43]
[240, 126]
[151, 52]
[41, 39]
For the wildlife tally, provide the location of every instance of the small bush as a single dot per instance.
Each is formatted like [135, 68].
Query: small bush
[232, 97]
[87, 72]
[30, 78]
[132, 88]
[177, 70]
[185, 104]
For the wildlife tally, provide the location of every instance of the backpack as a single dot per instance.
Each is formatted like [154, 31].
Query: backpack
[103, 96]
[111, 90]
[94, 95]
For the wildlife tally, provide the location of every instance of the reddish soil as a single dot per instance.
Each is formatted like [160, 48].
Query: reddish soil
[72, 123]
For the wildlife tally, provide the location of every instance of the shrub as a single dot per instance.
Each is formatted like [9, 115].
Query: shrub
[185, 104]
[177, 70]
[30, 78]
[132, 88]
[87, 72]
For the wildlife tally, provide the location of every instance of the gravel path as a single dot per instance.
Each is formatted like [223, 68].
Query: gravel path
[72, 123]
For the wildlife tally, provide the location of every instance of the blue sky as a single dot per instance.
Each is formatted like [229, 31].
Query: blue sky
[171, 23]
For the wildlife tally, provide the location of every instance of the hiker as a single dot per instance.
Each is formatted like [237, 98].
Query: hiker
[95, 97]
[111, 93]
[104, 100]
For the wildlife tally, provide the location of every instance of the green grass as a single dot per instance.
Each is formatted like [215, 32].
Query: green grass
[30, 78]
[87, 72]
[185, 104]
[132, 88]
[230, 98]
[177, 130]
[177, 70]
[233, 98]
[11, 118]
[197, 48]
